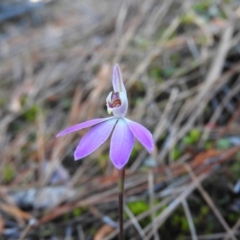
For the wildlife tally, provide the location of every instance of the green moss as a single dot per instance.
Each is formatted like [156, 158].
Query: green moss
[184, 225]
[161, 73]
[188, 18]
[154, 73]
[235, 168]
[233, 217]
[175, 59]
[204, 210]
[175, 153]
[202, 6]
[8, 172]
[138, 207]
[192, 137]
[77, 212]
[208, 145]
[93, 231]
[187, 140]
[31, 114]
[222, 15]
[168, 71]
[195, 134]
[223, 144]
[209, 10]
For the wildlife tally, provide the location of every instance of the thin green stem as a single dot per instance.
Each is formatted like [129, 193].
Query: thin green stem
[120, 198]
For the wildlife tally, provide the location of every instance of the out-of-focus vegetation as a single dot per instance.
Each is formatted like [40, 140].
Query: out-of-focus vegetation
[180, 63]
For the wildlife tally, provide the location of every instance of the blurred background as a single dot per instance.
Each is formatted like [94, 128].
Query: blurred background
[181, 66]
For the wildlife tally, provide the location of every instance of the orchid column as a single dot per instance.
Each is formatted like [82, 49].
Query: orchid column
[123, 132]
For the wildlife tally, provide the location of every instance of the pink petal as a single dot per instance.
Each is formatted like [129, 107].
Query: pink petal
[117, 80]
[82, 126]
[121, 144]
[142, 134]
[94, 138]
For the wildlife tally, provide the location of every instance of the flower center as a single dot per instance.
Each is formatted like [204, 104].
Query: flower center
[115, 101]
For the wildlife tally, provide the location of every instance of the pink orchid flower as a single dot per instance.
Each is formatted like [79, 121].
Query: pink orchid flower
[122, 129]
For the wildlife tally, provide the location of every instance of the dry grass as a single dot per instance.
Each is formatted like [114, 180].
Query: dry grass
[181, 67]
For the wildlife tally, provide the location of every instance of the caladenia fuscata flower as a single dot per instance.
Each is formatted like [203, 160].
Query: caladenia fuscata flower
[122, 129]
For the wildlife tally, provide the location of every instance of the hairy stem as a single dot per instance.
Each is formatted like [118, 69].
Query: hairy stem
[120, 197]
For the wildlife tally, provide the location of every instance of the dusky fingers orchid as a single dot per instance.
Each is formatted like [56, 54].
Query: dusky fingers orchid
[122, 129]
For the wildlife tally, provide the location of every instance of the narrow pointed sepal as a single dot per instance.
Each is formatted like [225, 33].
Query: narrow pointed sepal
[117, 80]
[83, 125]
[141, 134]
